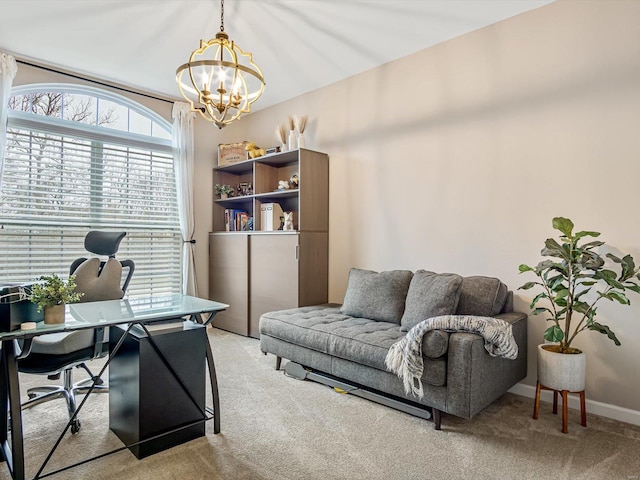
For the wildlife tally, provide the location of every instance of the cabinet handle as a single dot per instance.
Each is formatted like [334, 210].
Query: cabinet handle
[297, 252]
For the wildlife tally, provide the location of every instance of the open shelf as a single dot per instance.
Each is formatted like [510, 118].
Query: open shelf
[262, 176]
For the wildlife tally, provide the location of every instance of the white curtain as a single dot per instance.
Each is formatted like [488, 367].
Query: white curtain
[8, 70]
[183, 160]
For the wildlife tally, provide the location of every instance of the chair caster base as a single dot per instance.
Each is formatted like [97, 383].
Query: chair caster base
[75, 426]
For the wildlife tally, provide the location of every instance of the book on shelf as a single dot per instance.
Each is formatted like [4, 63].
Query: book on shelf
[236, 220]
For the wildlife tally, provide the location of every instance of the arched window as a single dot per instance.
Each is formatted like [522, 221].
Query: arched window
[79, 159]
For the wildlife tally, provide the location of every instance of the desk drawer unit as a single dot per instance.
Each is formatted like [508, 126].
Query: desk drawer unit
[144, 397]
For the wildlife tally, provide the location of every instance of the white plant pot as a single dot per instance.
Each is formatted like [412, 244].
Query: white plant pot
[561, 371]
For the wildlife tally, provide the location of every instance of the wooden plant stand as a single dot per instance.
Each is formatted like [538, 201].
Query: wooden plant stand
[564, 393]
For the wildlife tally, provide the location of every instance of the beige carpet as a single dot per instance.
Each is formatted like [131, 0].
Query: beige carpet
[274, 427]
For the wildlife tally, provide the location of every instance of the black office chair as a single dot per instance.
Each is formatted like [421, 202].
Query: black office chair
[58, 353]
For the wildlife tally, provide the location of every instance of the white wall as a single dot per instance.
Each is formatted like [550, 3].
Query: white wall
[456, 159]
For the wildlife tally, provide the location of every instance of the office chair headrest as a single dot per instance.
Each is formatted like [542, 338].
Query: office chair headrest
[103, 243]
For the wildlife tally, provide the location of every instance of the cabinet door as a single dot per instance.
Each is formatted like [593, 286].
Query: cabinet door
[274, 276]
[229, 280]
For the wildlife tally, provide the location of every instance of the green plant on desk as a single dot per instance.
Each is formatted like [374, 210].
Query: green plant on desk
[54, 291]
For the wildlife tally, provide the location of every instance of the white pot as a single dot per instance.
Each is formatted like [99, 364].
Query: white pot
[561, 371]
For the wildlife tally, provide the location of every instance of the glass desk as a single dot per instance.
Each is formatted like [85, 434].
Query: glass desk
[92, 315]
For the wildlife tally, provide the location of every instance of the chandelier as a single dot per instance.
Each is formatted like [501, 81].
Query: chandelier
[220, 80]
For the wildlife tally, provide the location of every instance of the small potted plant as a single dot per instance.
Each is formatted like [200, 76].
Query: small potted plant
[51, 294]
[223, 190]
[573, 282]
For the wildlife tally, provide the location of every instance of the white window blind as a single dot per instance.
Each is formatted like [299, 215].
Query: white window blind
[62, 179]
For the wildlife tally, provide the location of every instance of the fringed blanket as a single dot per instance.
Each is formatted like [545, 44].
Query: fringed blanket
[405, 356]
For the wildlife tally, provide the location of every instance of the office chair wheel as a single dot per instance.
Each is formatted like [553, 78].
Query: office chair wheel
[75, 426]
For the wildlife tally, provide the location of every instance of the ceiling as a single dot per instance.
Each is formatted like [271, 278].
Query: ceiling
[300, 45]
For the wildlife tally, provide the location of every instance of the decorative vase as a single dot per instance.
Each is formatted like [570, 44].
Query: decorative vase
[561, 371]
[54, 314]
[301, 142]
[224, 196]
[292, 140]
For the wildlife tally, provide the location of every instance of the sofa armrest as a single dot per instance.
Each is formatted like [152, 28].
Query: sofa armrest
[475, 378]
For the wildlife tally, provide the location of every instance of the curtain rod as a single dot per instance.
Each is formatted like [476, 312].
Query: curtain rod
[77, 77]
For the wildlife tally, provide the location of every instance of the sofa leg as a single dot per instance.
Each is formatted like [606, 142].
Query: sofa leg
[437, 418]
[278, 362]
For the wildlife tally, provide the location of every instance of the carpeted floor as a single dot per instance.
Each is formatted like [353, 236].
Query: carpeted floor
[274, 427]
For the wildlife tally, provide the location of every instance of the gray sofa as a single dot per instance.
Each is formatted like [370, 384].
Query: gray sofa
[348, 343]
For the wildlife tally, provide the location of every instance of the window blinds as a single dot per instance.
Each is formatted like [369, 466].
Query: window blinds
[60, 182]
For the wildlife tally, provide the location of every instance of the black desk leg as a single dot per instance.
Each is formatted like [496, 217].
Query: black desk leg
[214, 389]
[212, 375]
[12, 446]
[4, 404]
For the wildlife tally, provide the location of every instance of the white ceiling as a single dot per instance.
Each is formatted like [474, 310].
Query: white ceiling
[300, 45]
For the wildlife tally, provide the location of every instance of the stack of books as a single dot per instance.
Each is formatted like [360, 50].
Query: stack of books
[236, 220]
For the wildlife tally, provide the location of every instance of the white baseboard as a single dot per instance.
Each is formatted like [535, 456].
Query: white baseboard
[603, 409]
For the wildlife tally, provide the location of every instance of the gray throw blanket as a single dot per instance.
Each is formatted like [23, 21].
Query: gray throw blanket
[405, 356]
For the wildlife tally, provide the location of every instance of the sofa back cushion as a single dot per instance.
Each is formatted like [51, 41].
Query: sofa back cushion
[482, 296]
[376, 295]
[430, 295]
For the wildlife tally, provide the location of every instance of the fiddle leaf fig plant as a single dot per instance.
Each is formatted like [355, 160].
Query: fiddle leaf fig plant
[567, 279]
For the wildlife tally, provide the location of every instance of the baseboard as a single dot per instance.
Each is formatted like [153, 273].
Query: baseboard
[603, 409]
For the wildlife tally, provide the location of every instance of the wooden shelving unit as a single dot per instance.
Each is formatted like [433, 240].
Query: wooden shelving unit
[256, 271]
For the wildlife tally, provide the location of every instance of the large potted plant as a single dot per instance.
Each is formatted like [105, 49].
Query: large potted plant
[51, 294]
[573, 282]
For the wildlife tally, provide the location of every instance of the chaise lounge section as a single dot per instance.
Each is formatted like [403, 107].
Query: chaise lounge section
[347, 344]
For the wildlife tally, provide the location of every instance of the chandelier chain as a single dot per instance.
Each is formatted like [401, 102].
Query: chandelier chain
[222, 15]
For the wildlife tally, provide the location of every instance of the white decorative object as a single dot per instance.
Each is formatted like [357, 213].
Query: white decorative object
[301, 125]
[270, 214]
[288, 221]
[561, 371]
[291, 145]
[281, 133]
[283, 185]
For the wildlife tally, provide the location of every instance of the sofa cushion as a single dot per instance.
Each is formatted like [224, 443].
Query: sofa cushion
[430, 295]
[482, 296]
[376, 296]
[324, 329]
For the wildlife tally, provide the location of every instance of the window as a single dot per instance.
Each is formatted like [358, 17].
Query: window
[80, 159]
